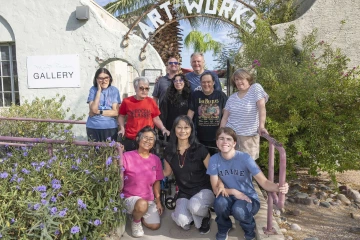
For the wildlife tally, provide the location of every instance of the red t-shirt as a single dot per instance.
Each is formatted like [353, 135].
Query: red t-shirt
[140, 113]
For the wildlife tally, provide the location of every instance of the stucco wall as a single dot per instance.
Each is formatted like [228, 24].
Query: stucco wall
[51, 28]
[326, 15]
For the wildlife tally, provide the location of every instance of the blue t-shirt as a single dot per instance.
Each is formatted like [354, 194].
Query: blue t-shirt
[195, 84]
[108, 97]
[235, 173]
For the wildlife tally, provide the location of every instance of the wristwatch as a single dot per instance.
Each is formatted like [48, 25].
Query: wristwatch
[101, 112]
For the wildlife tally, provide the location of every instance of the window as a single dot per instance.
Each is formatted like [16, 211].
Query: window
[9, 86]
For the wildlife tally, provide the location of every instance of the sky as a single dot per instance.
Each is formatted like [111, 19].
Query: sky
[220, 36]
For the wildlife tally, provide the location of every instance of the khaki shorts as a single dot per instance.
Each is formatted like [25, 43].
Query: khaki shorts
[152, 215]
[249, 144]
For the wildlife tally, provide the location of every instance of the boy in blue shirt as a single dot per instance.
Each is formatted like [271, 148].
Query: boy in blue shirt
[231, 173]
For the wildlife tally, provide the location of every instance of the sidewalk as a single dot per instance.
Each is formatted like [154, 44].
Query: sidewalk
[169, 230]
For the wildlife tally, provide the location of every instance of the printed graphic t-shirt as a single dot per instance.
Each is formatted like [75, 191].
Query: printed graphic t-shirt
[207, 113]
[140, 113]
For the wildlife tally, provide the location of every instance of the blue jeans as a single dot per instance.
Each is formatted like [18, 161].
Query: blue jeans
[242, 211]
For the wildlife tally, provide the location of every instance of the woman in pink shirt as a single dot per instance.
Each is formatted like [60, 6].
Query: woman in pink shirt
[142, 176]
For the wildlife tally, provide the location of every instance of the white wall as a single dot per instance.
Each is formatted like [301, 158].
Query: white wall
[326, 15]
[50, 28]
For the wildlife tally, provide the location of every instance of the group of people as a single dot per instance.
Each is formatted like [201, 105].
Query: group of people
[213, 143]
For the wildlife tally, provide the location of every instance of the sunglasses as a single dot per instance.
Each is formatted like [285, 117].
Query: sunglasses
[173, 63]
[144, 89]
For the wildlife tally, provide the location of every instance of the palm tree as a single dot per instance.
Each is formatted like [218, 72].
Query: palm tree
[168, 40]
[202, 42]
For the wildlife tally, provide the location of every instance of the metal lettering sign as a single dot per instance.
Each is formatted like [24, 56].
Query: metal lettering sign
[55, 71]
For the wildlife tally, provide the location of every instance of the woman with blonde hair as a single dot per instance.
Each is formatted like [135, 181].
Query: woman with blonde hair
[245, 112]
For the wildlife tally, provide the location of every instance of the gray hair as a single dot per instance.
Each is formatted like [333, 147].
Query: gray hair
[197, 54]
[138, 79]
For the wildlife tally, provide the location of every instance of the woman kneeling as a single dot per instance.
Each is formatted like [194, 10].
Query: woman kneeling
[188, 160]
[235, 193]
[142, 176]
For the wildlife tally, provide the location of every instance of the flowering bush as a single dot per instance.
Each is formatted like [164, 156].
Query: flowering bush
[73, 194]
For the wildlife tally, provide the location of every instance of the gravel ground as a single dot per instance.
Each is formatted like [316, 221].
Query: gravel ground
[326, 223]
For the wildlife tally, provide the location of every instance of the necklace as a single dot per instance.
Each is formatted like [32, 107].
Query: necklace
[182, 158]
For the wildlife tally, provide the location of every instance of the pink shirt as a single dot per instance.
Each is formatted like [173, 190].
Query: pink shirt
[140, 175]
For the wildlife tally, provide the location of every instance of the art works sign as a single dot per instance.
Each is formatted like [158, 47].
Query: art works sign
[231, 10]
[56, 71]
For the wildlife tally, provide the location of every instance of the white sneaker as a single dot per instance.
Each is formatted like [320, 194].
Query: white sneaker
[136, 229]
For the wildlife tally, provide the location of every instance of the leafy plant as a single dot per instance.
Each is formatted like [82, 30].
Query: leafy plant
[314, 105]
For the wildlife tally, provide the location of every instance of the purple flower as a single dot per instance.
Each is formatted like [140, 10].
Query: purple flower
[108, 161]
[74, 167]
[12, 221]
[53, 210]
[112, 143]
[51, 175]
[43, 201]
[57, 232]
[56, 186]
[75, 229]
[81, 204]
[13, 178]
[106, 179]
[43, 195]
[97, 222]
[53, 199]
[4, 175]
[9, 154]
[66, 131]
[17, 187]
[78, 161]
[115, 209]
[55, 181]
[41, 188]
[20, 179]
[37, 206]
[25, 154]
[24, 170]
[87, 171]
[122, 169]
[41, 226]
[84, 238]
[42, 163]
[108, 139]
[122, 195]
[111, 200]
[62, 213]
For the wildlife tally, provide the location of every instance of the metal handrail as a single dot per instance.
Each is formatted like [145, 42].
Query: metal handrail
[272, 196]
[50, 142]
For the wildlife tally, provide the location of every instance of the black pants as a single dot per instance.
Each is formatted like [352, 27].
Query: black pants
[101, 135]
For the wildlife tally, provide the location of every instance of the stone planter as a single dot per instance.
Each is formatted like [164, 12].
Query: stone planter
[117, 233]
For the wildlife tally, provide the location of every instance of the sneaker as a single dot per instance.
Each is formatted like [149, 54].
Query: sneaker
[186, 227]
[136, 229]
[205, 224]
[222, 236]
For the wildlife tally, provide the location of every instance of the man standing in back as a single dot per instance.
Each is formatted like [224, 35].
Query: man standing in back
[173, 67]
[198, 65]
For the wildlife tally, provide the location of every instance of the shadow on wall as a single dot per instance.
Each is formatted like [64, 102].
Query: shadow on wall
[72, 23]
[304, 6]
[6, 32]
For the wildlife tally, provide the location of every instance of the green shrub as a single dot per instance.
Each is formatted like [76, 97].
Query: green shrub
[70, 195]
[314, 104]
[39, 108]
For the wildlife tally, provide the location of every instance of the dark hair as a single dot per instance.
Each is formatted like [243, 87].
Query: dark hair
[141, 132]
[173, 96]
[205, 74]
[228, 131]
[98, 72]
[171, 148]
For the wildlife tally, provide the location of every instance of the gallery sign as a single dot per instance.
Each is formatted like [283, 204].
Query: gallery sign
[232, 10]
[55, 71]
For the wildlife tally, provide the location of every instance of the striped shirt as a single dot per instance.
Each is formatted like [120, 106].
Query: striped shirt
[244, 114]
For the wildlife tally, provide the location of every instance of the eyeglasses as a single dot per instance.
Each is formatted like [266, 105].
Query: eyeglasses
[173, 63]
[103, 79]
[147, 139]
[178, 80]
[144, 89]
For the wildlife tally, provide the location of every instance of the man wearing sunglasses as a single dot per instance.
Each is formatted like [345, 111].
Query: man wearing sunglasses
[198, 65]
[173, 67]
